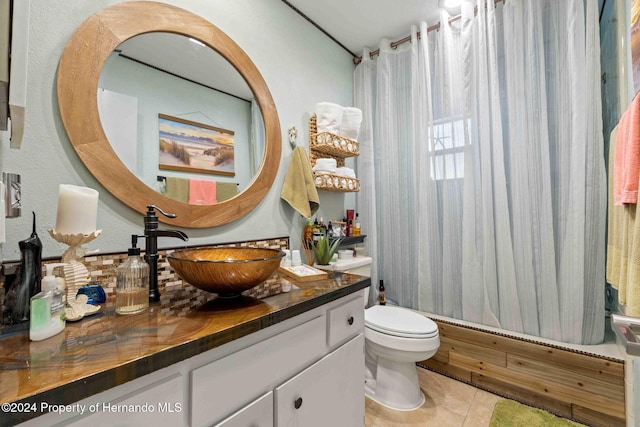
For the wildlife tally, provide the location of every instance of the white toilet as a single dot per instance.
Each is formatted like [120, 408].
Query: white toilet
[395, 339]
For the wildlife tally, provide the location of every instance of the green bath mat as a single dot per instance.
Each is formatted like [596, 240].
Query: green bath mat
[509, 413]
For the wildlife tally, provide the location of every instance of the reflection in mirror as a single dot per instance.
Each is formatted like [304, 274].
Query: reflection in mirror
[79, 70]
[159, 74]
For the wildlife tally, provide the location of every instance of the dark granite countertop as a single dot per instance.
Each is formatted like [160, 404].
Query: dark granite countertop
[105, 350]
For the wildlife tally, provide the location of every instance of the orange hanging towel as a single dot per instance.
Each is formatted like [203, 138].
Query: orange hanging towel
[202, 192]
[626, 168]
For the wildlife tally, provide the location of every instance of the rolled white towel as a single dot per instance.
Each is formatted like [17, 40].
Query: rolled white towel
[328, 117]
[351, 121]
[344, 171]
[325, 165]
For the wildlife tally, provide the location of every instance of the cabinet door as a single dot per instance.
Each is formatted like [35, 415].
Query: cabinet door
[328, 393]
[259, 413]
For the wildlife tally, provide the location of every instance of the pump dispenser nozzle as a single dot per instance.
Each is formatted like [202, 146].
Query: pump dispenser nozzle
[134, 249]
[49, 280]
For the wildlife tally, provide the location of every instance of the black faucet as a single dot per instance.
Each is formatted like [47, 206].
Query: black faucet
[151, 234]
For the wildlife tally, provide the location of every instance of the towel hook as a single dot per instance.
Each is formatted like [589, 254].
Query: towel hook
[293, 136]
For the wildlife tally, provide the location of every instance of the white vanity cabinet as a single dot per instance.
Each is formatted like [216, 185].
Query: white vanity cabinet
[329, 392]
[305, 371]
[233, 381]
[320, 362]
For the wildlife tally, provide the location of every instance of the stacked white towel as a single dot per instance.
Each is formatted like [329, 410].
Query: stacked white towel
[329, 117]
[351, 121]
[326, 165]
[344, 171]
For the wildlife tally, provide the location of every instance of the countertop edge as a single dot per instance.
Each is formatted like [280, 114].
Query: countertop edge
[86, 387]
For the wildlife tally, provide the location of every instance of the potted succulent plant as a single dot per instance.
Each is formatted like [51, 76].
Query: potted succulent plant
[324, 248]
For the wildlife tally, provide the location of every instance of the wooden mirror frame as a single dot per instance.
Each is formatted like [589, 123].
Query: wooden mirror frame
[79, 71]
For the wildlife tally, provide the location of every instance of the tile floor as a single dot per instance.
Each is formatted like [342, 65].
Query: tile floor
[449, 403]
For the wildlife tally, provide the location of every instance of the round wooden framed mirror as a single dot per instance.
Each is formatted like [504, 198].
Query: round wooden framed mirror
[78, 75]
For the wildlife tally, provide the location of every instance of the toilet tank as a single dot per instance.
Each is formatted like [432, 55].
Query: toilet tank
[358, 265]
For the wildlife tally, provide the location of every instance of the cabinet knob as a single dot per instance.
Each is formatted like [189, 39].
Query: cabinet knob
[350, 320]
[298, 403]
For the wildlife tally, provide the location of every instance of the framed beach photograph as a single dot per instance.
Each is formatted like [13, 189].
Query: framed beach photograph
[195, 147]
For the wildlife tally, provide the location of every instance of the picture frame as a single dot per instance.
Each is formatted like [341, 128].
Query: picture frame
[189, 146]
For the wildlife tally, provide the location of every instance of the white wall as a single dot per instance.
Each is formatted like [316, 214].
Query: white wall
[300, 65]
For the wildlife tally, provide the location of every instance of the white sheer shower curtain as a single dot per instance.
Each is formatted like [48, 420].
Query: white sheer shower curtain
[482, 168]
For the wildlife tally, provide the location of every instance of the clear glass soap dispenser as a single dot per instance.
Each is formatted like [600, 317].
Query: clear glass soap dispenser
[132, 285]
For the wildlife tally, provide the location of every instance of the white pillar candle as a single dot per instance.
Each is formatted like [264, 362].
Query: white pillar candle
[77, 210]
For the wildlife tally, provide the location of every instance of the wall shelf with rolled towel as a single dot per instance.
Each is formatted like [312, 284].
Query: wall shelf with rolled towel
[329, 145]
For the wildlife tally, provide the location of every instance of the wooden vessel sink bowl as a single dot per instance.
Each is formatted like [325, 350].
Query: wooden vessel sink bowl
[225, 271]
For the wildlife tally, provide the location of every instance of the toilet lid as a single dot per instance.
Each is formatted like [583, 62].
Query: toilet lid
[399, 322]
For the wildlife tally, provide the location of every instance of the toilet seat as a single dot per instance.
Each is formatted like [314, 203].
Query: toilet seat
[399, 322]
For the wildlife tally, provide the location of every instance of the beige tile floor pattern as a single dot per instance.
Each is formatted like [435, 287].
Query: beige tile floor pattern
[449, 403]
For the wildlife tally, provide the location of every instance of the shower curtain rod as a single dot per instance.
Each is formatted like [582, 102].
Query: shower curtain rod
[358, 59]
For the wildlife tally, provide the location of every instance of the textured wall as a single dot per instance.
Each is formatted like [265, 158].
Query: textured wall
[300, 65]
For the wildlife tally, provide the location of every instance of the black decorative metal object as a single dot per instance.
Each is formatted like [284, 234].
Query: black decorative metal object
[27, 280]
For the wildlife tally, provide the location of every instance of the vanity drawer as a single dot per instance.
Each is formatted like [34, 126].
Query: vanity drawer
[345, 321]
[161, 403]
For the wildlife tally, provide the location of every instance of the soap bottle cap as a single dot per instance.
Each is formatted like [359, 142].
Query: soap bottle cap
[49, 282]
[134, 250]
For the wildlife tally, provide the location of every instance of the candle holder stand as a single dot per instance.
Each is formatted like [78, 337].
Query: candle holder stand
[76, 274]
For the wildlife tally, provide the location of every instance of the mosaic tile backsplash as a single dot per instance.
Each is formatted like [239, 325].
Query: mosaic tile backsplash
[102, 269]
